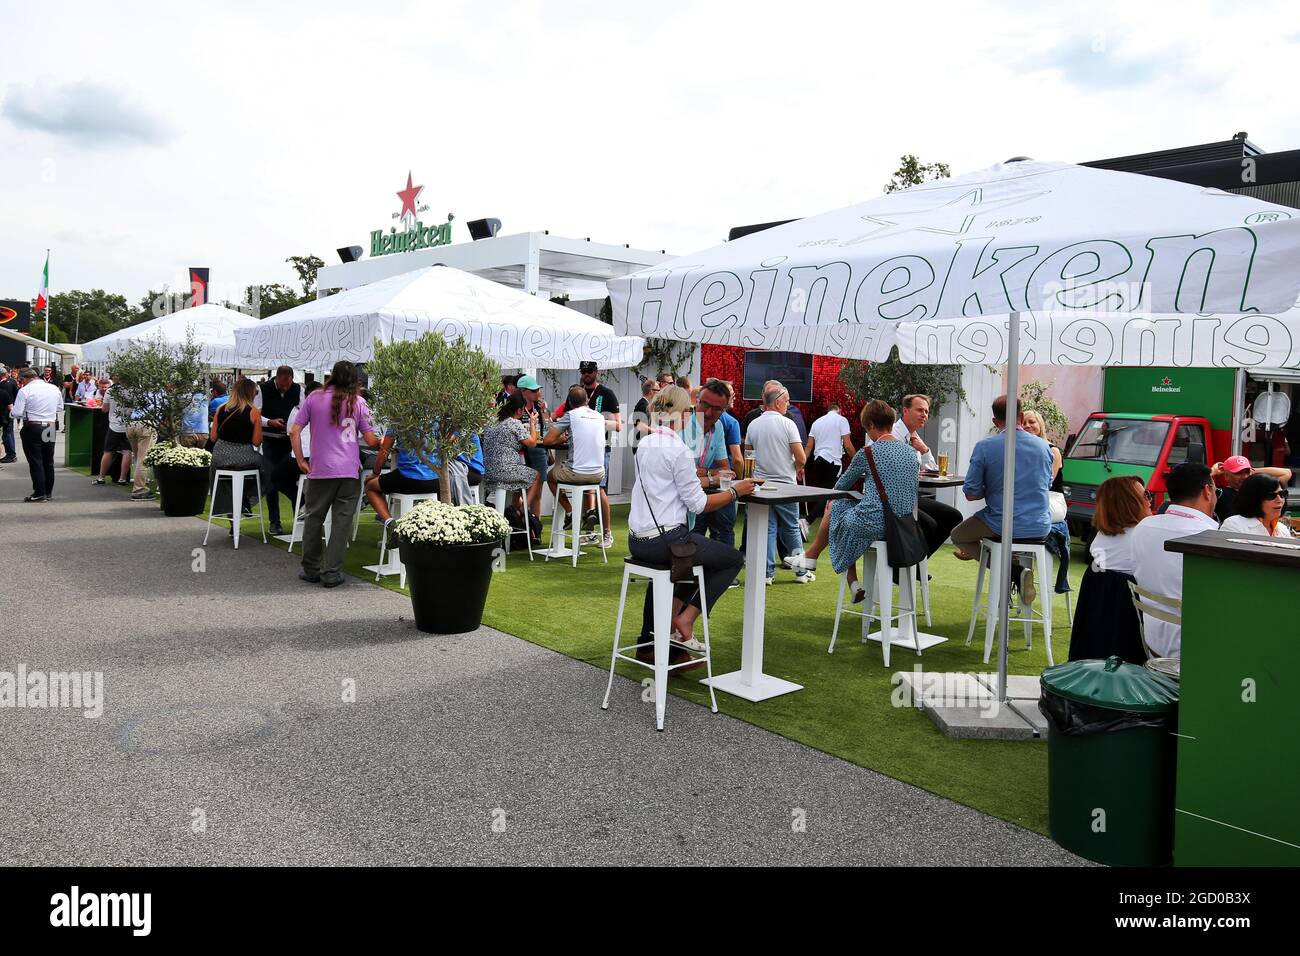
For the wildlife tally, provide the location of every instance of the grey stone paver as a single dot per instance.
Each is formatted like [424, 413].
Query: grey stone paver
[224, 695]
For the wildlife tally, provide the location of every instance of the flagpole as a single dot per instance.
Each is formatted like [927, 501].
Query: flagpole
[47, 295]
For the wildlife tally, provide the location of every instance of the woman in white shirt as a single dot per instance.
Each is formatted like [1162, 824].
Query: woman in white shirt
[1105, 621]
[666, 488]
[1260, 502]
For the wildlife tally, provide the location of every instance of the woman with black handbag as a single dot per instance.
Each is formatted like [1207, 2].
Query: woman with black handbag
[666, 490]
[851, 527]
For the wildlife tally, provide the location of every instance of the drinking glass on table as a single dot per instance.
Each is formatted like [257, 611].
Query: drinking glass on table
[943, 464]
[725, 477]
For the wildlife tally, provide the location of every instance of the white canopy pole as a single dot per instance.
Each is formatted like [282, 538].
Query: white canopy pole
[1008, 498]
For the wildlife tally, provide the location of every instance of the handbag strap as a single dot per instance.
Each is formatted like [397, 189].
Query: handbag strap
[650, 509]
[880, 485]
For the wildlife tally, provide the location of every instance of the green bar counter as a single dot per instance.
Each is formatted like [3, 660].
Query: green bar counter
[83, 440]
[1237, 801]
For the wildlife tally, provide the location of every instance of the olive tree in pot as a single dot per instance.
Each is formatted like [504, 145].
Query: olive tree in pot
[160, 383]
[434, 395]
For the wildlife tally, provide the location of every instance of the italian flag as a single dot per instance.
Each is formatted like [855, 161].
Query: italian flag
[43, 297]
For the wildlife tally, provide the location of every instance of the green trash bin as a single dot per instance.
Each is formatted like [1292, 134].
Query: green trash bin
[1110, 760]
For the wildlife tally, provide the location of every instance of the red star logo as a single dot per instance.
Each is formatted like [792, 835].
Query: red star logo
[1166, 381]
[409, 196]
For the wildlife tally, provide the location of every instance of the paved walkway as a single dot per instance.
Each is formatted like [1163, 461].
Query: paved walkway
[225, 738]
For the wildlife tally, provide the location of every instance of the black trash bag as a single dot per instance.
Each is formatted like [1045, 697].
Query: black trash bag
[1072, 718]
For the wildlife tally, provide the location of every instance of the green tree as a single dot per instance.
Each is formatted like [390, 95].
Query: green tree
[158, 382]
[267, 300]
[81, 316]
[912, 172]
[434, 395]
[891, 379]
[306, 267]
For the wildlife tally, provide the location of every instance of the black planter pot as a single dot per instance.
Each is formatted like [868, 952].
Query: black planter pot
[182, 489]
[449, 584]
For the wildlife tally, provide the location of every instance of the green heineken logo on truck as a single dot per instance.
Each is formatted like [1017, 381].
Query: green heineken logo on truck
[1166, 385]
[418, 236]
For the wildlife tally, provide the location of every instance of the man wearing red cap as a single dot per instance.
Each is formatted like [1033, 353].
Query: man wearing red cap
[1234, 472]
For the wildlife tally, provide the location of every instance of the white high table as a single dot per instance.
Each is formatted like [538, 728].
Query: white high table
[750, 682]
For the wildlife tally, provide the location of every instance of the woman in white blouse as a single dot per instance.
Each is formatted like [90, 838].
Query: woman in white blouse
[1260, 502]
[1105, 621]
[666, 488]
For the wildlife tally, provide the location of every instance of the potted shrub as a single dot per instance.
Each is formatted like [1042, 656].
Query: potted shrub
[182, 475]
[434, 395]
[158, 381]
[450, 553]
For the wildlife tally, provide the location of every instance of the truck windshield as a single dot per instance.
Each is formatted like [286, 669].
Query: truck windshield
[1126, 441]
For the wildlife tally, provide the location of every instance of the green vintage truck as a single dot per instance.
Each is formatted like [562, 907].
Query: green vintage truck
[1157, 417]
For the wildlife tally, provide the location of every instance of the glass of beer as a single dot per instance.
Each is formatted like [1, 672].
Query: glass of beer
[943, 464]
[749, 464]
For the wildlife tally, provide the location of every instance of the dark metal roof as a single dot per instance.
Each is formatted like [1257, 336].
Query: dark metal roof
[738, 231]
[1236, 148]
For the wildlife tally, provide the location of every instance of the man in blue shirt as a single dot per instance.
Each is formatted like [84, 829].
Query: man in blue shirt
[706, 437]
[986, 479]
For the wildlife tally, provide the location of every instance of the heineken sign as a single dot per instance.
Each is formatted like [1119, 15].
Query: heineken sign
[419, 236]
[415, 234]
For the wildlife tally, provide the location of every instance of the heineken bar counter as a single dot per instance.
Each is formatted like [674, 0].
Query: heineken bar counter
[1238, 795]
[83, 438]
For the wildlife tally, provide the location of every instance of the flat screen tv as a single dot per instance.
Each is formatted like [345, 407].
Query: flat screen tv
[794, 370]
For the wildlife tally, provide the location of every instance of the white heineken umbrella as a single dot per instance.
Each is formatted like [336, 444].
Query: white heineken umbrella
[974, 254]
[213, 327]
[516, 329]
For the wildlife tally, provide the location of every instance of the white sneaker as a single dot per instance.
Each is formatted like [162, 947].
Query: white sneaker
[608, 541]
[771, 580]
[1027, 592]
[804, 577]
[799, 563]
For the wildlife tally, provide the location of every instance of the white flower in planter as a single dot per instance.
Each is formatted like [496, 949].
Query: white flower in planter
[175, 456]
[435, 523]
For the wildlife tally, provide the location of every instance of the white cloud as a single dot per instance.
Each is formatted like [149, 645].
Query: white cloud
[660, 125]
[86, 112]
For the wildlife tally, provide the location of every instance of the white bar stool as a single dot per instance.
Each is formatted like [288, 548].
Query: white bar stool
[991, 563]
[499, 497]
[659, 577]
[390, 559]
[236, 479]
[577, 498]
[299, 518]
[878, 583]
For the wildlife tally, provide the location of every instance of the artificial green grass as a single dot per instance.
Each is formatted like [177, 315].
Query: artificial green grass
[845, 707]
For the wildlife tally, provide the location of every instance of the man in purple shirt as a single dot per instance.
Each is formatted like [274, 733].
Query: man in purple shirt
[338, 416]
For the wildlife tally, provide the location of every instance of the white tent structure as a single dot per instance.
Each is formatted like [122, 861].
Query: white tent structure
[213, 326]
[1115, 267]
[516, 329]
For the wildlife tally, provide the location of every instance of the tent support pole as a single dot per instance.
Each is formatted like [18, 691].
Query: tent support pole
[1008, 497]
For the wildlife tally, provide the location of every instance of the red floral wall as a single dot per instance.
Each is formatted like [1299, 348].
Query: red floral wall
[728, 362]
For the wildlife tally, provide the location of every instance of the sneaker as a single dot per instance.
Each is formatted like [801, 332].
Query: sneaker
[1027, 591]
[34, 498]
[309, 578]
[799, 563]
[804, 577]
[858, 592]
[8, 460]
[98, 481]
[771, 580]
[589, 521]
[276, 531]
[331, 579]
[143, 496]
[607, 542]
[733, 584]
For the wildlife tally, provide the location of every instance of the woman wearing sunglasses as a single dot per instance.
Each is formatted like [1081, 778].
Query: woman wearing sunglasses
[1260, 503]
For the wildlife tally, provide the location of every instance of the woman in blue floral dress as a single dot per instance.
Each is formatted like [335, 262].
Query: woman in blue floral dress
[850, 527]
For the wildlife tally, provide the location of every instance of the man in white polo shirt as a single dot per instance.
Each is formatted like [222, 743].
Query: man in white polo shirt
[828, 443]
[779, 457]
[585, 428]
[39, 404]
[1192, 498]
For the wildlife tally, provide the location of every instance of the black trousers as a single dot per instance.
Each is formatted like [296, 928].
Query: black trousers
[721, 566]
[936, 520]
[38, 446]
[277, 451]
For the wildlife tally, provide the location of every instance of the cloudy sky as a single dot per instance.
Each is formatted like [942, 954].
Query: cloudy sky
[139, 139]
